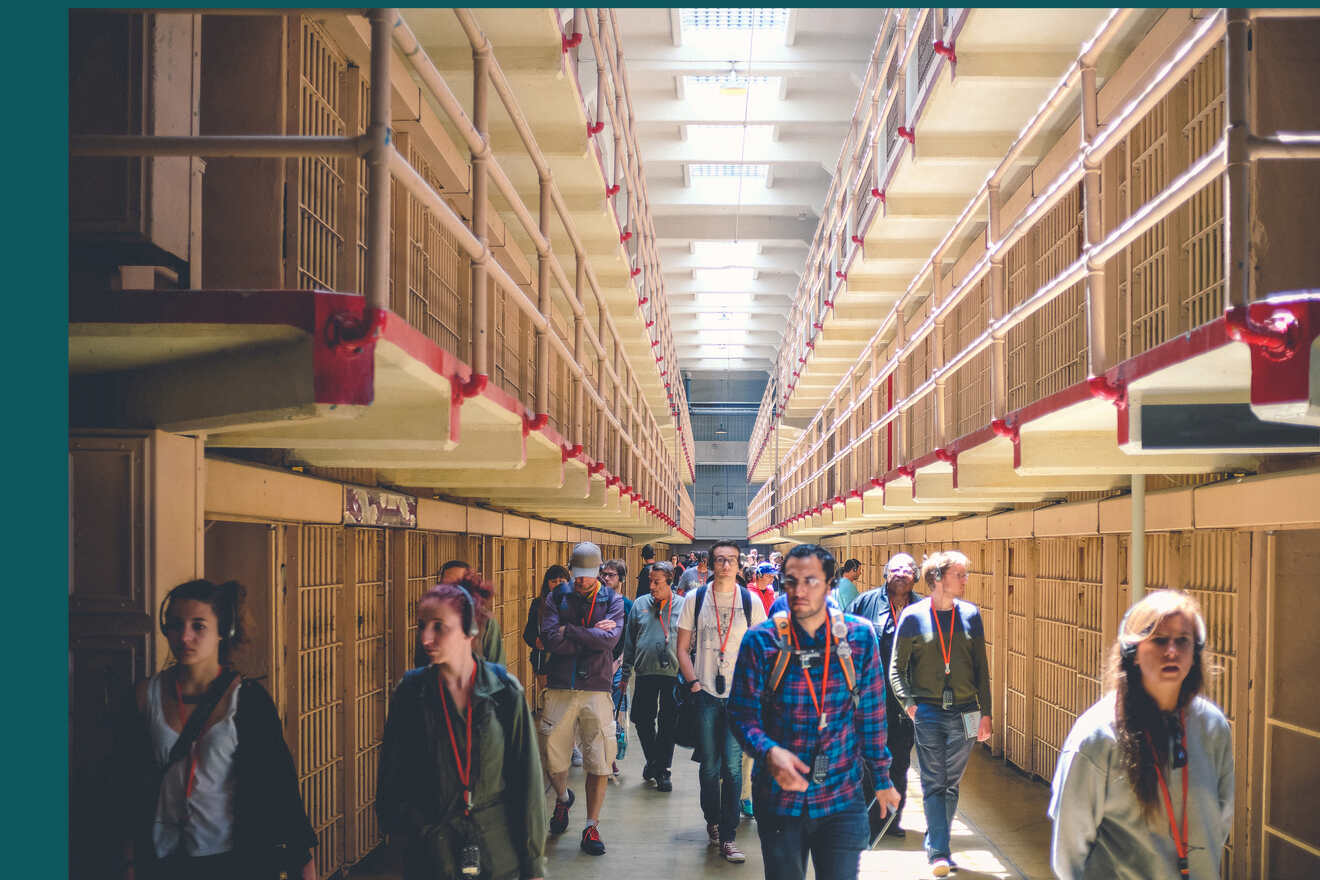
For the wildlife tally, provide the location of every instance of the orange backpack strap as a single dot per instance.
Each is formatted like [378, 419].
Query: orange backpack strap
[782, 624]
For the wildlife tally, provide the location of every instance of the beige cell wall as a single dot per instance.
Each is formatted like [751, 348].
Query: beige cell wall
[1052, 584]
[330, 609]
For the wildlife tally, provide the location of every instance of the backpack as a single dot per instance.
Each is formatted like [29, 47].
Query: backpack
[842, 649]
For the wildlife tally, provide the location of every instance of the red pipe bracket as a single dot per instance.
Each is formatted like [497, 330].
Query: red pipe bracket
[946, 456]
[612, 190]
[636, 272]
[840, 274]
[908, 134]
[1277, 338]
[1009, 432]
[625, 236]
[905, 471]
[596, 468]
[877, 193]
[567, 452]
[346, 333]
[570, 42]
[474, 385]
[877, 482]
[946, 49]
[535, 423]
[857, 239]
[1114, 392]
[595, 128]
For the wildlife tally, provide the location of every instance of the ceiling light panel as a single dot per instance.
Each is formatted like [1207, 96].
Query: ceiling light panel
[733, 169]
[734, 86]
[723, 254]
[718, 18]
[730, 279]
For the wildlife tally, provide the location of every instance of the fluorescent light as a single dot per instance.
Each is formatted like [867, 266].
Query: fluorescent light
[726, 19]
[731, 169]
[728, 280]
[719, 254]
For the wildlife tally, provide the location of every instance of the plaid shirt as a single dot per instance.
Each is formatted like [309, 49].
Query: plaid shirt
[789, 718]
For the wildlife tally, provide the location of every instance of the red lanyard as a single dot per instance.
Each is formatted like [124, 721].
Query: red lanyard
[664, 613]
[464, 767]
[724, 641]
[824, 679]
[947, 653]
[192, 752]
[592, 609]
[1179, 838]
[893, 615]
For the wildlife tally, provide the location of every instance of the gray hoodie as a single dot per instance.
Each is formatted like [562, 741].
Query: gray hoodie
[1099, 829]
[644, 641]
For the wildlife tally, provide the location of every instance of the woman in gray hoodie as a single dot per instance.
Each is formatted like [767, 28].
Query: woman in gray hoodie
[650, 639]
[1144, 784]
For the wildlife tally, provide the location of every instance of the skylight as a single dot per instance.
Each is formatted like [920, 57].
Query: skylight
[725, 19]
[731, 85]
[734, 279]
[720, 254]
[729, 170]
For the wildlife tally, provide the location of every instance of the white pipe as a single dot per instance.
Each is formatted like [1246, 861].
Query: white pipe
[1137, 544]
[378, 167]
[253, 146]
[1284, 145]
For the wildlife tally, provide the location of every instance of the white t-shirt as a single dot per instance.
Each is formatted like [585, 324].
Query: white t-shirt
[708, 637]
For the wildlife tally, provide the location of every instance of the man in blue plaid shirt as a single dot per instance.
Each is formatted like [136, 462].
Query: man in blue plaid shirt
[808, 734]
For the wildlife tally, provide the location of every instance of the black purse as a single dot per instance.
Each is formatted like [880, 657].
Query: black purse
[685, 723]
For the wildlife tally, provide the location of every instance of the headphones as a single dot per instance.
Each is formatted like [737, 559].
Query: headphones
[227, 606]
[469, 611]
[1129, 652]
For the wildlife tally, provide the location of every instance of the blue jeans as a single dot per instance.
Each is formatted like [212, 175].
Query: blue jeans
[942, 752]
[721, 765]
[835, 842]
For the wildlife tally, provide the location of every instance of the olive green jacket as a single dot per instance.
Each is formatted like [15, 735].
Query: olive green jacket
[419, 796]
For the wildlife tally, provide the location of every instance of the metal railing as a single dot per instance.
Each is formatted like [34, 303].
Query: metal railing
[646, 469]
[809, 464]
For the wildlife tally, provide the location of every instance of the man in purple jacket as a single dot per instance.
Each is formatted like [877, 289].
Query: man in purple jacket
[579, 630]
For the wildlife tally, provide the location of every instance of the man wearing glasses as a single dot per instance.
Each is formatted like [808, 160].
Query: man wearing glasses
[714, 620]
[808, 702]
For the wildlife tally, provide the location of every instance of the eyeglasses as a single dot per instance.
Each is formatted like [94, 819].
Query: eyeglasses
[725, 560]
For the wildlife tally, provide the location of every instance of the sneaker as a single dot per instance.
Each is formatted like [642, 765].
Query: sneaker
[663, 783]
[577, 757]
[731, 853]
[746, 806]
[940, 867]
[895, 831]
[953, 866]
[591, 844]
[559, 819]
[614, 769]
[648, 775]
[713, 833]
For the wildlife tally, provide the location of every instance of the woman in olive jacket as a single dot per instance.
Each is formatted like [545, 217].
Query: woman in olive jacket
[460, 774]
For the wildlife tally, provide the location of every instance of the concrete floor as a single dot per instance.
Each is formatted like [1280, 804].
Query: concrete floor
[1001, 830]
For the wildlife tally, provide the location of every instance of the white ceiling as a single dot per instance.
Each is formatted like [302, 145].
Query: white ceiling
[736, 180]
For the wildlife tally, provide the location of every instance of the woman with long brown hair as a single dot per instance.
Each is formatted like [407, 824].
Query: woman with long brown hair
[1144, 784]
[460, 774]
[208, 783]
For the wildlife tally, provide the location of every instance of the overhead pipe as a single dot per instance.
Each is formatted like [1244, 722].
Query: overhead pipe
[1137, 541]
[1237, 214]
[227, 146]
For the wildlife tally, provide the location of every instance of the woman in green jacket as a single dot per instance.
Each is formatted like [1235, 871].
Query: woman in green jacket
[460, 775]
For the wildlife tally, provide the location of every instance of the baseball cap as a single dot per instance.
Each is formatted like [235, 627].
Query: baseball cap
[585, 561]
[900, 562]
[766, 568]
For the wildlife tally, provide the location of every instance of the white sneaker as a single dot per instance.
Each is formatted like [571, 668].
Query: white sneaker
[731, 853]
[940, 867]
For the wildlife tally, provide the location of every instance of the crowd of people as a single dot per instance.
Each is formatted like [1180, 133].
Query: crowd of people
[802, 693]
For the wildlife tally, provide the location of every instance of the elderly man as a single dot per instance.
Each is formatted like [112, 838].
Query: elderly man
[882, 607]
